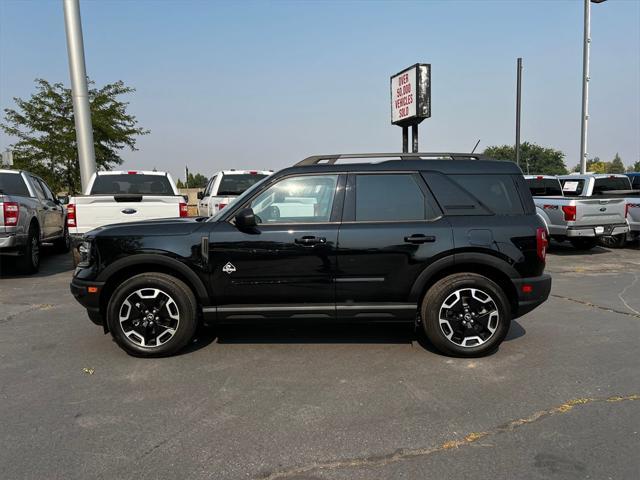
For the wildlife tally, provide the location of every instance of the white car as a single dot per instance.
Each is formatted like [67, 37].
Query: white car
[225, 186]
[124, 196]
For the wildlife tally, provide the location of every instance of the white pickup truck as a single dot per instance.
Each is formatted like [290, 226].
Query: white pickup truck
[608, 186]
[124, 196]
[582, 221]
[225, 186]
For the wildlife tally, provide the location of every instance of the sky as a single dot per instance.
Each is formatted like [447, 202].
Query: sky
[264, 84]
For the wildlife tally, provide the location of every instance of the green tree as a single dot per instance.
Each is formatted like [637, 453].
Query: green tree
[636, 167]
[46, 135]
[195, 181]
[616, 165]
[540, 160]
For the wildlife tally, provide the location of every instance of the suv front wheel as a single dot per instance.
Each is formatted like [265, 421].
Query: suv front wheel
[466, 315]
[152, 315]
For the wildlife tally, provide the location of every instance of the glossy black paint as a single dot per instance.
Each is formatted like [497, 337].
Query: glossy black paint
[340, 269]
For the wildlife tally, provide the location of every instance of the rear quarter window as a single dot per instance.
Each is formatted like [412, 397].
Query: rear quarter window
[132, 184]
[13, 184]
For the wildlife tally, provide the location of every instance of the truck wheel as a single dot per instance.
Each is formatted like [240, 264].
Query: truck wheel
[63, 244]
[614, 241]
[29, 261]
[152, 315]
[586, 243]
[466, 315]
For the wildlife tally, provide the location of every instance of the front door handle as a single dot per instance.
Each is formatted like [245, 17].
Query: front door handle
[310, 241]
[419, 238]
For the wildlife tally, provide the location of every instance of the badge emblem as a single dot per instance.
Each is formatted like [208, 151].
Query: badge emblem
[229, 268]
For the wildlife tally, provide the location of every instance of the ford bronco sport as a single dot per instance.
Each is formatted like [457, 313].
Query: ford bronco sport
[451, 241]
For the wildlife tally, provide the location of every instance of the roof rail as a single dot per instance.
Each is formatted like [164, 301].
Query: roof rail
[331, 159]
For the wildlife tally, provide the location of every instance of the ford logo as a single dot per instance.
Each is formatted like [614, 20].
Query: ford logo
[129, 211]
[603, 209]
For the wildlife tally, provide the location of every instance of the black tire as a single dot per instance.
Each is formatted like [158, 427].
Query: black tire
[449, 342]
[29, 260]
[183, 303]
[585, 243]
[614, 241]
[63, 244]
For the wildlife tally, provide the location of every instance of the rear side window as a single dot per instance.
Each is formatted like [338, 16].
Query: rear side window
[385, 198]
[237, 184]
[497, 192]
[635, 181]
[132, 184]
[13, 184]
[603, 185]
[544, 187]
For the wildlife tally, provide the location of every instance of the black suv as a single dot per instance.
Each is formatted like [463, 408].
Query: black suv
[449, 240]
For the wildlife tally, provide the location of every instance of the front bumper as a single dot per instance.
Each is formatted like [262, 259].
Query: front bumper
[607, 230]
[532, 292]
[88, 299]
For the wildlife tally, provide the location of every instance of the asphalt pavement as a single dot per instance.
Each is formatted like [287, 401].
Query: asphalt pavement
[559, 399]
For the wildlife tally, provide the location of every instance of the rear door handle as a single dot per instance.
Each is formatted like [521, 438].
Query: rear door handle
[310, 241]
[419, 238]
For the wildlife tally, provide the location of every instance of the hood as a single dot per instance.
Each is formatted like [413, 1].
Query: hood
[160, 227]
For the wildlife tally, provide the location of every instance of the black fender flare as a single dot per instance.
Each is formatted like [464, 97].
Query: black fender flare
[160, 260]
[474, 258]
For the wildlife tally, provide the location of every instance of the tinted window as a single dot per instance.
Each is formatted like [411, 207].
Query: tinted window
[544, 187]
[13, 184]
[236, 184]
[46, 190]
[572, 187]
[497, 192]
[602, 185]
[453, 199]
[635, 181]
[38, 187]
[303, 199]
[132, 184]
[389, 198]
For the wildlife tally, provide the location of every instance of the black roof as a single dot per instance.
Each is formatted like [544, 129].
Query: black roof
[448, 163]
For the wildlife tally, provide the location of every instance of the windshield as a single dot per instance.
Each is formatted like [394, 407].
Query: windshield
[235, 184]
[132, 184]
[247, 193]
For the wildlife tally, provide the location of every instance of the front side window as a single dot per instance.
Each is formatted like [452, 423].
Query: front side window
[303, 199]
[385, 198]
[38, 187]
[207, 191]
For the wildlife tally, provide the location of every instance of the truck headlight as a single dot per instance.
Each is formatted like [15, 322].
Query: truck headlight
[84, 251]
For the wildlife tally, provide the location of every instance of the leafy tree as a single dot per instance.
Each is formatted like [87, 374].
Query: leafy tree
[541, 160]
[636, 167]
[45, 129]
[616, 165]
[195, 181]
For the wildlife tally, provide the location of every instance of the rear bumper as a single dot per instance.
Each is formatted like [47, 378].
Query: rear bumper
[573, 232]
[532, 292]
[89, 300]
[11, 242]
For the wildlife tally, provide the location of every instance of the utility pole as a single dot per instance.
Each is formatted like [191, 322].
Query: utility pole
[518, 111]
[586, 50]
[79, 91]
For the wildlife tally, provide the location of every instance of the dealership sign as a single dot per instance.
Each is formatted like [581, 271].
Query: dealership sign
[411, 95]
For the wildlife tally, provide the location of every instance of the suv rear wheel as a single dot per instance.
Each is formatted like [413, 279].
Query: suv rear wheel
[466, 315]
[29, 261]
[152, 315]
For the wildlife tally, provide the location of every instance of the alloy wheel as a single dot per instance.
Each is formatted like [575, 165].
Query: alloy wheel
[149, 317]
[469, 317]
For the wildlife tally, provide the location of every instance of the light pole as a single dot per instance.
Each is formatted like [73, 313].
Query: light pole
[586, 49]
[79, 91]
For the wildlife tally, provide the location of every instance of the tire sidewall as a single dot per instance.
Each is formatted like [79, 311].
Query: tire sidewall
[182, 296]
[438, 294]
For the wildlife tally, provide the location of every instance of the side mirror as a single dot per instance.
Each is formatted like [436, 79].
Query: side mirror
[246, 219]
[62, 200]
[200, 195]
[186, 198]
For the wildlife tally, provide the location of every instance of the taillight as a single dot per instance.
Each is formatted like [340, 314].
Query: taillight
[542, 242]
[569, 212]
[184, 209]
[11, 213]
[220, 206]
[626, 210]
[71, 215]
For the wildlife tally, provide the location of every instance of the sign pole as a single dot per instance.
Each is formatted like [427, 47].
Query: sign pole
[414, 137]
[518, 102]
[405, 139]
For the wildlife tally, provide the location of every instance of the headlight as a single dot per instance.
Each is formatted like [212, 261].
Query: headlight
[84, 249]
